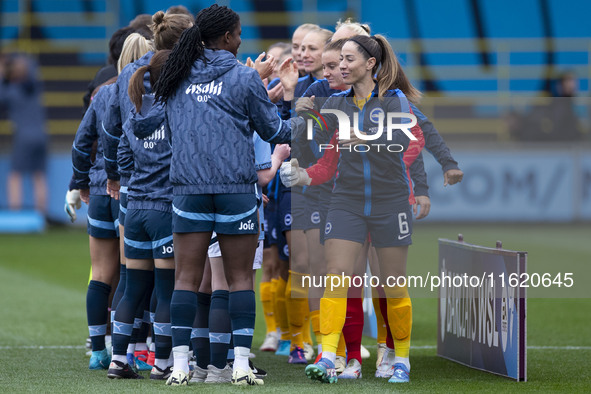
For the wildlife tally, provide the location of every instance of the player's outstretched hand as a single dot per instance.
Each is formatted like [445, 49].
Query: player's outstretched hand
[73, 202]
[424, 203]
[451, 177]
[292, 175]
[288, 75]
[265, 68]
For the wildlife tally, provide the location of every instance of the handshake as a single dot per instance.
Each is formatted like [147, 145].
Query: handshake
[292, 175]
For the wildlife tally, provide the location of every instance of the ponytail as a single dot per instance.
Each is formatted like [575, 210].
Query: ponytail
[186, 51]
[136, 87]
[391, 75]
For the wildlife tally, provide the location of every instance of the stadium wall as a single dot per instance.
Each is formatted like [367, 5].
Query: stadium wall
[501, 184]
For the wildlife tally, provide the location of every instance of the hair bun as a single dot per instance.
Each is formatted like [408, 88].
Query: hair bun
[158, 17]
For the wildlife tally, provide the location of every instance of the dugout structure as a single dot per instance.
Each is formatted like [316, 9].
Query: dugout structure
[481, 317]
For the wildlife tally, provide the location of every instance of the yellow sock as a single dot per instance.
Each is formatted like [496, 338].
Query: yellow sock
[381, 323]
[400, 321]
[315, 319]
[296, 299]
[281, 309]
[267, 301]
[342, 347]
[90, 275]
[333, 311]
[273, 298]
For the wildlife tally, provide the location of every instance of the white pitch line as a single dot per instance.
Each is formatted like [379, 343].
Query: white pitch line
[41, 347]
[424, 347]
[428, 347]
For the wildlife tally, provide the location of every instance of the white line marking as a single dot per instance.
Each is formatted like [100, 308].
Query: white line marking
[424, 347]
[428, 347]
[41, 347]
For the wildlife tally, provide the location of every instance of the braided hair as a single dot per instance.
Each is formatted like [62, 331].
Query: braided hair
[210, 24]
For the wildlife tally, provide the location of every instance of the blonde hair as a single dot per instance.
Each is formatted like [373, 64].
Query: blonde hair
[361, 29]
[134, 47]
[306, 27]
[325, 34]
[168, 28]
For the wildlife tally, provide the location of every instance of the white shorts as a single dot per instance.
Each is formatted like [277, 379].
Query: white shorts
[258, 257]
[214, 251]
[214, 248]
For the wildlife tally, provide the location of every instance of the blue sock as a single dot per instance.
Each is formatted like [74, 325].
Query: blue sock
[200, 332]
[163, 288]
[125, 315]
[120, 287]
[153, 305]
[219, 328]
[97, 303]
[242, 308]
[145, 326]
[183, 307]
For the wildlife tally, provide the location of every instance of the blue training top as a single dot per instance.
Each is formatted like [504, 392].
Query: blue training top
[212, 116]
[88, 174]
[145, 151]
[118, 112]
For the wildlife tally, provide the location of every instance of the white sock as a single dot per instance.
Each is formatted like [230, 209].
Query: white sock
[141, 346]
[152, 347]
[402, 360]
[161, 363]
[181, 358]
[131, 348]
[117, 357]
[319, 348]
[241, 358]
[330, 356]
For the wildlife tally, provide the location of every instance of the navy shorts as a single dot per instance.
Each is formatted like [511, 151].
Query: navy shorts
[122, 204]
[388, 229]
[148, 234]
[282, 247]
[284, 219]
[323, 213]
[222, 213]
[102, 217]
[270, 223]
[312, 214]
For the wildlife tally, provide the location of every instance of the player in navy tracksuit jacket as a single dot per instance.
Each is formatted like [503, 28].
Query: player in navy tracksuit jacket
[89, 177]
[144, 151]
[213, 104]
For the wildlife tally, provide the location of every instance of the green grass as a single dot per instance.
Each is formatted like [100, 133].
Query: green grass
[43, 283]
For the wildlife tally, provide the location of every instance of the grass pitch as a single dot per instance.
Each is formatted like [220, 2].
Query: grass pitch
[43, 282]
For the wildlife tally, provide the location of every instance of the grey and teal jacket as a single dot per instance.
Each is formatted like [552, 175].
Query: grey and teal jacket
[118, 112]
[90, 174]
[145, 152]
[212, 117]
